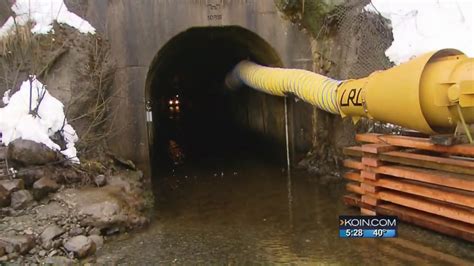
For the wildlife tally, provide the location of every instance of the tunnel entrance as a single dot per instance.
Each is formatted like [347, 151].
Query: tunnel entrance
[196, 119]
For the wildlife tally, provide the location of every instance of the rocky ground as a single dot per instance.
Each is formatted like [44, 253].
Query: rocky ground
[63, 213]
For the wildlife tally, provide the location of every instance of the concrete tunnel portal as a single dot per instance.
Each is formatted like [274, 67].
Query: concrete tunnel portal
[195, 117]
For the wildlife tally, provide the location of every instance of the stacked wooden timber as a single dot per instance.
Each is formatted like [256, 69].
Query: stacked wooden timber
[420, 182]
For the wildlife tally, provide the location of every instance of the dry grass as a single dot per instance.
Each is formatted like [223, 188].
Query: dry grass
[99, 73]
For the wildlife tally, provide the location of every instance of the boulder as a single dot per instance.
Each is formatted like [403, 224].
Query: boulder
[50, 233]
[21, 244]
[21, 199]
[103, 207]
[58, 260]
[43, 186]
[27, 152]
[30, 175]
[76, 231]
[12, 185]
[124, 162]
[58, 174]
[69, 175]
[81, 246]
[3, 252]
[98, 240]
[4, 197]
[52, 210]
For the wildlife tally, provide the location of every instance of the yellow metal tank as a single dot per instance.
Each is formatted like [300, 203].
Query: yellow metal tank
[422, 94]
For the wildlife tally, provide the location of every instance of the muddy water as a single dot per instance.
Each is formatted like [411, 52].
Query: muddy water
[247, 212]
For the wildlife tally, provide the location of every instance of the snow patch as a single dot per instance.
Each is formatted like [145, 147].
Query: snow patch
[426, 25]
[6, 97]
[47, 118]
[43, 13]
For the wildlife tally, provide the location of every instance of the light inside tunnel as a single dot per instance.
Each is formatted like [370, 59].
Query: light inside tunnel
[195, 117]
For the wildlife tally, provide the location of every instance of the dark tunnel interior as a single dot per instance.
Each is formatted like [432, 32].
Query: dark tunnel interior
[196, 119]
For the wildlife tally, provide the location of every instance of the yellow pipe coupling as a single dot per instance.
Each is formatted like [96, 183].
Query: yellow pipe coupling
[430, 93]
[422, 94]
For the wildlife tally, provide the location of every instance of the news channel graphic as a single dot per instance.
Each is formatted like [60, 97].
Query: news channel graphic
[368, 226]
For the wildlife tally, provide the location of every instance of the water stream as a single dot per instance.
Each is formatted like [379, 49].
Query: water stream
[248, 211]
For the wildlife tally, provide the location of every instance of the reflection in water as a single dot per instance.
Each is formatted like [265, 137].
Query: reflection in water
[290, 196]
[175, 152]
[248, 211]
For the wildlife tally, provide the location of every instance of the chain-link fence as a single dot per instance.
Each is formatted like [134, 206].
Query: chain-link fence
[366, 33]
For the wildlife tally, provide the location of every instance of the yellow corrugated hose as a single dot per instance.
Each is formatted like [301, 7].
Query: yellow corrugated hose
[310, 87]
[432, 93]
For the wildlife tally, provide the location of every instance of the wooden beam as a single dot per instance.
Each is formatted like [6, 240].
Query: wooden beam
[369, 187]
[448, 195]
[427, 161]
[433, 222]
[351, 200]
[355, 200]
[430, 221]
[355, 188]
[353, 176]
[417, 143]
[371, 161]
[353, 164]
[355, 151]
[369, 175]
[377, 148]
[370, 200]
[459, 181]
[419, 203]
[365, 211]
